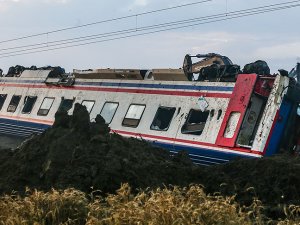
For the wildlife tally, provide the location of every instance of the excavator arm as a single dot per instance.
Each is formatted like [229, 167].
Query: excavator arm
[212, 66]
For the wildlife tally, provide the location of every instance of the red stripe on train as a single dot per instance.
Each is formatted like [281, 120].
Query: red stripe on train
[186, 141]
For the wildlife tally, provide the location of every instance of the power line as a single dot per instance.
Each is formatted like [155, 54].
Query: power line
[104, 21]
[150, 32]
[272, 7]
[122, 37]
[173, 25]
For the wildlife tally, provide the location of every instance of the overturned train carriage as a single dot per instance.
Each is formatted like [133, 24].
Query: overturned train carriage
[213, 121]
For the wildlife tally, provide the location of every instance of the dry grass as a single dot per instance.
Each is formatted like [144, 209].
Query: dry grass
[162, 206]
[292, 215]
[55, 207]
[166, 206]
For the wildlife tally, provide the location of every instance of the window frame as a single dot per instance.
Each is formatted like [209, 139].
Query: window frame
[38, 112]
[2, 104]
[93, 101]
[63, 99]
[12, 111]
[199, 132]
[25, 102]
[232, 124]
[130, 119]
[117, 103]
[156, 115]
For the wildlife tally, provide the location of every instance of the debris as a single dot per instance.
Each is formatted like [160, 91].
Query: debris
[211, 67]
[15, 71]
[259, 67]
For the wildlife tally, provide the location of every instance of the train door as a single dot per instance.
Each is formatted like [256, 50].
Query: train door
[251, 121]
[236, 110]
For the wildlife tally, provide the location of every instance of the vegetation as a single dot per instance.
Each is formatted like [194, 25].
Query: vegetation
[173, 205]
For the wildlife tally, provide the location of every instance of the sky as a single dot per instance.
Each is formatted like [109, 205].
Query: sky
[273, 37]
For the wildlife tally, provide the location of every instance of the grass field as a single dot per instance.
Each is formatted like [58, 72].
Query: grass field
[174, 205]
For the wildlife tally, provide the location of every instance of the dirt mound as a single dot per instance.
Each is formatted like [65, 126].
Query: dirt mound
[77, 153]
[80, 154]
[273, 180]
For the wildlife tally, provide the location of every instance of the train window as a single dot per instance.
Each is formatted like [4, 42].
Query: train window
[162, 118]
[108, 111]
[232, 124]
[65, 105]
[133, 115]
[2, 100]
[29, 102]
[219, 114]
[195, 122]
[45, 106]
[14, 102]
[88, 104]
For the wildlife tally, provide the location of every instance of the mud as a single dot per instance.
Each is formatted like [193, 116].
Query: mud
[10, 142]
[77, 153]
[275, 181]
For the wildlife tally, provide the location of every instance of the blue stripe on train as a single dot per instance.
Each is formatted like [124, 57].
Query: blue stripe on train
[202, 156]
[20, 128]
[284, 112]
[137, 85]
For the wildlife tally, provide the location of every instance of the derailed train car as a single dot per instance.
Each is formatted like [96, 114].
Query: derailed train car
[209, 109]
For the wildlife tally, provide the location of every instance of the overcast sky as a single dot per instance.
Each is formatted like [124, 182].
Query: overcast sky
[273, 37]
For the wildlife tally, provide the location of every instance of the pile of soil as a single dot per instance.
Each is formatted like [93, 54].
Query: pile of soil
[77, 153]
[85, 155]
[275, 181]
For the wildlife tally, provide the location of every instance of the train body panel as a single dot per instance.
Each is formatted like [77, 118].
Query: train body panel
[214, 121]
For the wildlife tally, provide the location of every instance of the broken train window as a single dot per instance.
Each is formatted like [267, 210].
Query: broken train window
[45, 106]
[162, 118]
[29, 102]
[66, 104]
[133, 115]
[14, 102]
[195, 122]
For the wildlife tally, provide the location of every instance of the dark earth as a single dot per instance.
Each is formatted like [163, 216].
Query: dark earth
[85, 155]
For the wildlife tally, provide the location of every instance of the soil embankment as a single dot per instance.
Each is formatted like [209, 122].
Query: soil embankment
[77, 153]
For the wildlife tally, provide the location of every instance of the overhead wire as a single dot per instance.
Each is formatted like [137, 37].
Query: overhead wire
[171, 25]
[122, 37]
[105, 21]
[90, 37]
[94, 36]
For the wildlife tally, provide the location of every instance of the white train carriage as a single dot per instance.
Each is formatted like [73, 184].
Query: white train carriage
[213, 121]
